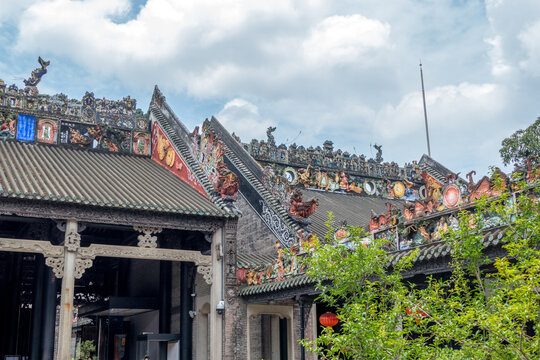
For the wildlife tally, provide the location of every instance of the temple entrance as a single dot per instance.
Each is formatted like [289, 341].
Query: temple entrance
[28, 288]
[129, 300]
[119, 309]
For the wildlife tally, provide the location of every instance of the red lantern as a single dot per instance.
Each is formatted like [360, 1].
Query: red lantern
[415, 312]
[328, 319]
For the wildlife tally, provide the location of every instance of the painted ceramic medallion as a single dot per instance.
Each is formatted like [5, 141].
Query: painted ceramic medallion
[451, 195]
[399, 189]
[369, 187]
[291, 175]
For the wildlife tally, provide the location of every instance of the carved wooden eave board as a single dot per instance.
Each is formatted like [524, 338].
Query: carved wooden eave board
[92, 214]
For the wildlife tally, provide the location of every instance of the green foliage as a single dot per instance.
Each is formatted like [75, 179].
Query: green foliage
[521, 145]
[87, 349]
[486, 309]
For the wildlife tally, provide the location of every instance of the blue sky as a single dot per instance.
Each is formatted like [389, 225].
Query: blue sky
[317, 69]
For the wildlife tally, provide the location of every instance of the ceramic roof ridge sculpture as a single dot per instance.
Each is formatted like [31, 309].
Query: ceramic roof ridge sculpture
[93, 124]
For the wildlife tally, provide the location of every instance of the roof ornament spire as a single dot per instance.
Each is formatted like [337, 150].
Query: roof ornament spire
[425, 111]
[35, 77]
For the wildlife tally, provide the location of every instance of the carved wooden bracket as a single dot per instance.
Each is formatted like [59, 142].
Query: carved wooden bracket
[147, 240]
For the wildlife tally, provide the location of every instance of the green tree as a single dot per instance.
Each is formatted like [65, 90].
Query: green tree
[87, 349]
[521, 145]
[486, 309]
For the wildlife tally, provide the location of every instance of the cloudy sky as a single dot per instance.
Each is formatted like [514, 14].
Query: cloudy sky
[317, 69]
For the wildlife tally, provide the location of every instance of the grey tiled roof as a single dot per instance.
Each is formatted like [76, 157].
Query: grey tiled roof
[354, 209]
[254, 260]
[288, 283]
[59, 174]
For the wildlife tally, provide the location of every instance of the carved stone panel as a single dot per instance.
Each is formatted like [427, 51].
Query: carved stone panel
[81, 265]
[206, 272]
[57, 265]
[73, 241]
[146, 240]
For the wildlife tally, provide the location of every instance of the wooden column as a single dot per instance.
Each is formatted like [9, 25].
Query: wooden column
[67, 291]
[49, 316]
[186, 304]
[37, 308]
[164, 304]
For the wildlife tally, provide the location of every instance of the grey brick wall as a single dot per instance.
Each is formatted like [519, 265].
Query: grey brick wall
[254, 237]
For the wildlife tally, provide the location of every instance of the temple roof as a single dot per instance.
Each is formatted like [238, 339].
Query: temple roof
[62, 174]
[354, 210]
[426, 253]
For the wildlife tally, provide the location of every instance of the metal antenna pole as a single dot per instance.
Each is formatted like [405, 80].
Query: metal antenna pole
[425, 111]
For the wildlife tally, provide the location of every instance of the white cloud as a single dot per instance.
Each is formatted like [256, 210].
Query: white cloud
[345, 39]
[450, 109]
[499, 66]
[529, 38]
[10, 9]
[340, 70]
[243, 118]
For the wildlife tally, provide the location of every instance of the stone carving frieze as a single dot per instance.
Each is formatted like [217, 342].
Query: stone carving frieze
[31, 246]
[54, 254]
[133, 252]
[29, 208]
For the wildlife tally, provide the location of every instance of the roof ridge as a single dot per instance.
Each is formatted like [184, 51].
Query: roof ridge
[250, 177]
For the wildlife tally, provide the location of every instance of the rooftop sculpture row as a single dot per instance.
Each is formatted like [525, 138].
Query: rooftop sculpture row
[425, 221]
[325, 158]
[90, 123]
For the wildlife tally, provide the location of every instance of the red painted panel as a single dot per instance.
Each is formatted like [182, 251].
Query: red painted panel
[164, 153]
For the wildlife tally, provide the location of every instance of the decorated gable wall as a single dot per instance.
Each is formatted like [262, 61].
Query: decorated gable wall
[165, 154]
